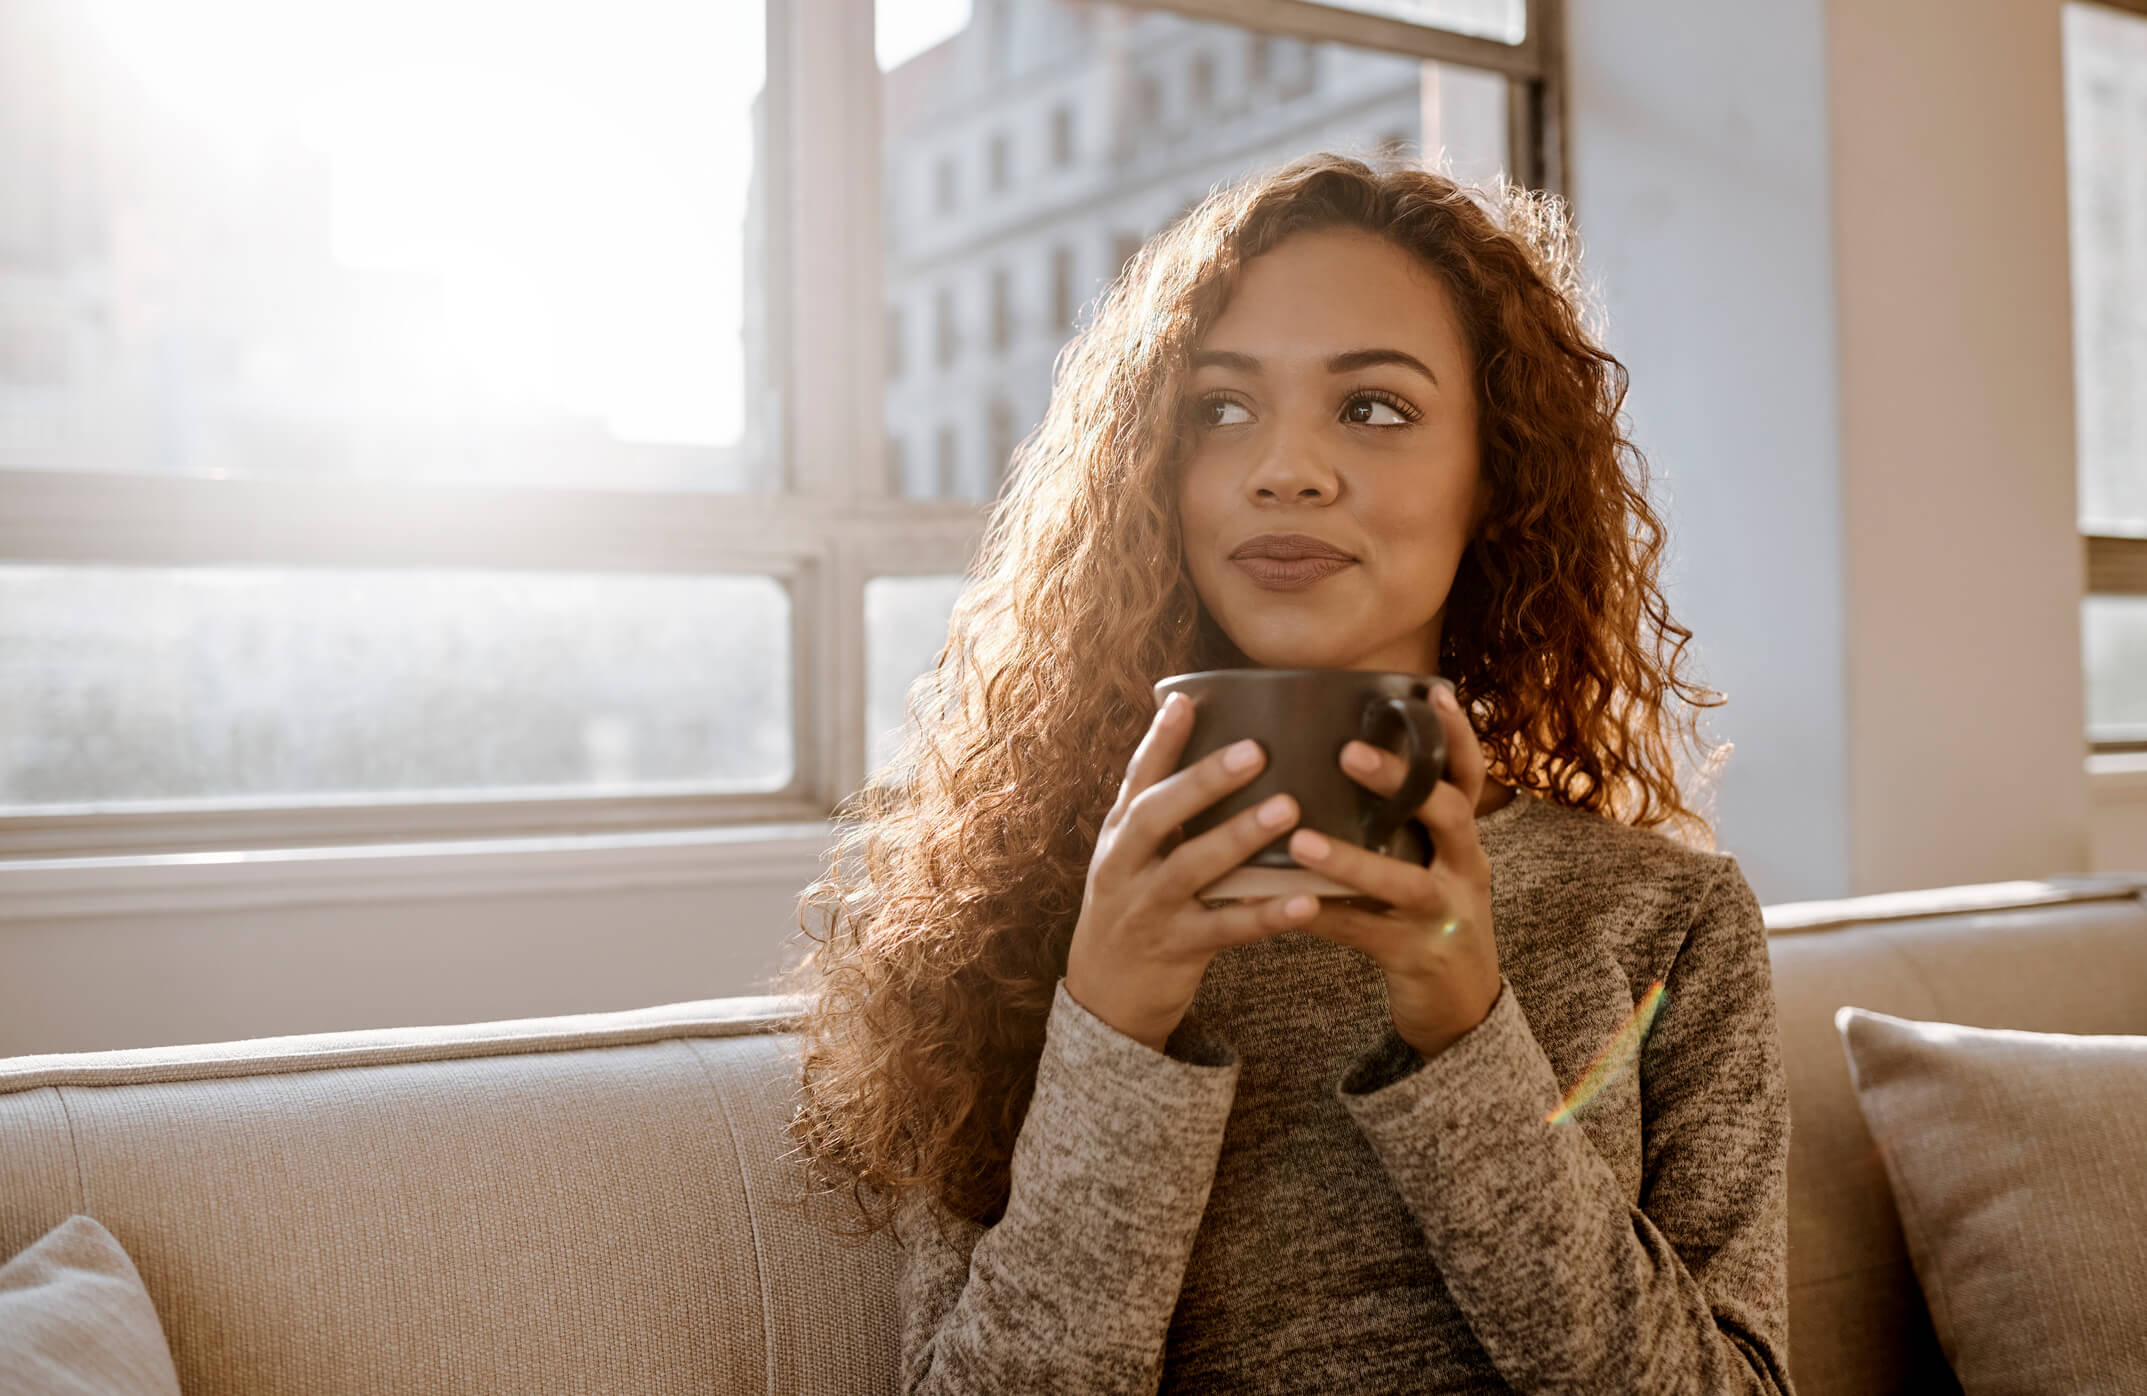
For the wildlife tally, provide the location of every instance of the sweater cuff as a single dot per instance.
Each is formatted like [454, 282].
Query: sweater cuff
[1495, 1074]
[1111, 1100]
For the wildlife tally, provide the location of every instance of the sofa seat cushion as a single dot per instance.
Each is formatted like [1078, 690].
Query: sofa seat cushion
[2015, 1161]
[75, 1319]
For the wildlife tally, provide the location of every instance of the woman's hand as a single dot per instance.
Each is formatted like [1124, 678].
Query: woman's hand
[1434, 941]
[1143, 939]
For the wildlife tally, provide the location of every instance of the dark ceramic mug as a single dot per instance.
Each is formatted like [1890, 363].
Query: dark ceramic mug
[1303, 718]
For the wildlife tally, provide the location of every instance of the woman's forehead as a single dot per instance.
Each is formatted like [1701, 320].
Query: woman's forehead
[1317, 298]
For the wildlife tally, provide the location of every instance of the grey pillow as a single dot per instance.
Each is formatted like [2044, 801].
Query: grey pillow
[74, 1318]
[2018, 1162]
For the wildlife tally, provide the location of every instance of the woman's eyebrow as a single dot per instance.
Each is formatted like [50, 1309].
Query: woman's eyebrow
[1346, 362]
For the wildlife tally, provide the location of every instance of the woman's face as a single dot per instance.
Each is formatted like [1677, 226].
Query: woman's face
[1333, 399]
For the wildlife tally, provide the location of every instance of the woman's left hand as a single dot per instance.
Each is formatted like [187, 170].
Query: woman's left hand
[1434, 939]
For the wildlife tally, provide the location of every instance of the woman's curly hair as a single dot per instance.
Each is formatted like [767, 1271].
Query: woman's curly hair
[941, 926]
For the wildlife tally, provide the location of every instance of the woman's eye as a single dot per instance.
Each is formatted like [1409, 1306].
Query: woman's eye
[1211, 407]
[1360, 410]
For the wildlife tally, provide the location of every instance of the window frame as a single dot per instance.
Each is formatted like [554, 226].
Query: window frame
[2112, 564]
[840, 520]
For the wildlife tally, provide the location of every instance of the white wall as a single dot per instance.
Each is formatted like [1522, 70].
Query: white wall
[95, 957]
[1832, 242]
[1699, 180]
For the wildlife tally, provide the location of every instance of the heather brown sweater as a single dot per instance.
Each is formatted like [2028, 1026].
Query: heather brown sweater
[1290, 1200]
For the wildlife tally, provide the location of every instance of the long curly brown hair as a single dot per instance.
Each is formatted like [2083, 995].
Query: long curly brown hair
[940, 928]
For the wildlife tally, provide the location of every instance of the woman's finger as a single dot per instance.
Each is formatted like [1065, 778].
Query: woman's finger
[1157, 755]
[1200, 860]
[1240, 923]
[1391, 880]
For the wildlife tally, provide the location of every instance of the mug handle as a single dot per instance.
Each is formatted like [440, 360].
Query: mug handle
[1424, 749]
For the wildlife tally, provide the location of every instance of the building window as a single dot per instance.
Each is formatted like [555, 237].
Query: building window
[1002, 308]
[946, 337]
[945, 196]
[897, 467]
[999, 160]
[950, 462]
[2106, 150]
[1062, 287]
[1062, 136]
[1259, 57]
[1124, 248]
[999, 431]
[1200, 82]
[894, 344]
[1144, 104]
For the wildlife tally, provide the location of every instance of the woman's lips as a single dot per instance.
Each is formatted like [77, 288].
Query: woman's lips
[1290, 574]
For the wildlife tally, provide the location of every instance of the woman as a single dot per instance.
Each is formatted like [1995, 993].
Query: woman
[1523, 1127]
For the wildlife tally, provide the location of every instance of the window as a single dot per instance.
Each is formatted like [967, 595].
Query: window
[1062, 287]
[1000, 431]
[409, 452]
[1062, 137]
[948, 482]
[1002, 308]
[999, 160]
[946, 336]
[1123, 249]
[945, 196]
[439, 334]
[1200, 82]
[2106, 156]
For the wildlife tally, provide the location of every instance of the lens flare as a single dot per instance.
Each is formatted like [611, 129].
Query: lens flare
[1615, 1056]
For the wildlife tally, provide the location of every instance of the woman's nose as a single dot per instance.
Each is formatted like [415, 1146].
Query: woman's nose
[1291, 466]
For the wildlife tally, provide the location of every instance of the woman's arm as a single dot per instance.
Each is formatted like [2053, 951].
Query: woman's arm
[1566, 1285]
[1072, 1289]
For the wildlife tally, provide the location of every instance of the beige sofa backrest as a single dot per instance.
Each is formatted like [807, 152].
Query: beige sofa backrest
[601, 1203]
[581, 1204]
[2069, 956]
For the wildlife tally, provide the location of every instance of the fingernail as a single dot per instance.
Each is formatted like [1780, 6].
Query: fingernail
[1176, 703]
[1445, 699]
[1242, 756]
[1308, 844]
[1358, 758]
[1275, 811]
[1301, 906]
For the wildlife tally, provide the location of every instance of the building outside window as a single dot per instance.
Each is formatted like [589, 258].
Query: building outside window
[999, 161]
[2106, 158]
[1002, 308]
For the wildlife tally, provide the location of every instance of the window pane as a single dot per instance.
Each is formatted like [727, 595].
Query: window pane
[2106, 157]
[2114, 634]
[439, 239]
[1504, 20]
[1117, 119]
[183, 683]
[905, 626]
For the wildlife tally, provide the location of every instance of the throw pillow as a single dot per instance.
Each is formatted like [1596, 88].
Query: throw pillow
[2016, 1161]
[74, 1318]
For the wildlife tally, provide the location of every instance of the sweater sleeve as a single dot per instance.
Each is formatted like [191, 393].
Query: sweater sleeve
[1072, 1289]
[1566, 1284]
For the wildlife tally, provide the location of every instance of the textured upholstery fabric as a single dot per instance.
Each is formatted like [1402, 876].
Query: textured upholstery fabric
[611, 1218]
[74, 1319]
[2016, 1161]
[1857, 1322]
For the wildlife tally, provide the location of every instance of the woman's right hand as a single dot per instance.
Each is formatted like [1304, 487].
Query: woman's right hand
[1143, 939]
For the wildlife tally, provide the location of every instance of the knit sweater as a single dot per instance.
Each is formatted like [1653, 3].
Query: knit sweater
[1289, 1199]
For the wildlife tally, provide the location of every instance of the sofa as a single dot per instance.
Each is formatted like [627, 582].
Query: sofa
[603, 1203]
